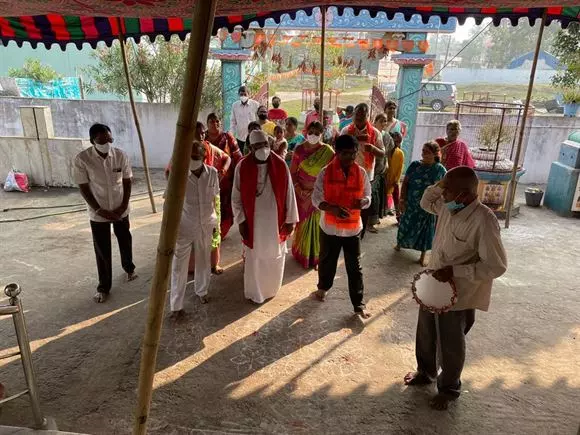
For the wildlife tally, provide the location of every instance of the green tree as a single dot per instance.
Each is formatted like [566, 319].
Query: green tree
[35, 70]
[566, 48]
[506, 42]
[157, 69]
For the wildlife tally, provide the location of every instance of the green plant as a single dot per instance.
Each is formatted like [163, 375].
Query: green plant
[567, 49]
[491, 134]
[156, 69]
[571, 95]
[35, 70]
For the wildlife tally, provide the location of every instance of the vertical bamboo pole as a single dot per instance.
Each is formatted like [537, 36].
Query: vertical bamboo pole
[203, 16]
[135, 116]
[322, 41]
[522, 131]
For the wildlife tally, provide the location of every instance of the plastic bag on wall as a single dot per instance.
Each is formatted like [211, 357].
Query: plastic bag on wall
[16, 182]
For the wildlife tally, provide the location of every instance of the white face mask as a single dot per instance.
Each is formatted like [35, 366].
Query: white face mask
[103, 148]
[244, 99]
[262, 154]
[313, 139]
[194, 165]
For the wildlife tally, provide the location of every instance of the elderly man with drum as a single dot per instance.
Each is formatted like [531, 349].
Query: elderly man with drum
[468, 254]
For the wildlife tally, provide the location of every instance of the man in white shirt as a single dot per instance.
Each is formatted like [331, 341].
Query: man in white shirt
[370, 149]
[104, 175]
[341, 191]
[244, 111]
[265, 209]
[199, 222]
[468, 250]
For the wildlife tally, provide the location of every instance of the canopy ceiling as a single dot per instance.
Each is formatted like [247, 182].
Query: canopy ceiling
[79, 21]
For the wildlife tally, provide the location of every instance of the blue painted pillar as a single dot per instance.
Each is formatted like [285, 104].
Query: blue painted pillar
[232, 57]
[408, 91]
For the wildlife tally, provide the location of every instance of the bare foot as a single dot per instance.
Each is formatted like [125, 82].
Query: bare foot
[363, 314]
[320, 295]
[423, 260]
[441, 401]
[397, 248]
[100, 297]
[132, 276]
[204, 299]
[217, 270]
[416, 378]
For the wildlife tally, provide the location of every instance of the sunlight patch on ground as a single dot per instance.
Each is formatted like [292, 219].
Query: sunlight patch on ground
[541, 367]
[71, 329]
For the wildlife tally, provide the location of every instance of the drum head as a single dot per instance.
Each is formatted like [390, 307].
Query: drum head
[433, 295]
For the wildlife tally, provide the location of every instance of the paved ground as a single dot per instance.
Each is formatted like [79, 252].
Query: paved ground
[292, 365]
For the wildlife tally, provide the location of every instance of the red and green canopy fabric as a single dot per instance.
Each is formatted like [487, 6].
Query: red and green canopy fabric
[90, 21]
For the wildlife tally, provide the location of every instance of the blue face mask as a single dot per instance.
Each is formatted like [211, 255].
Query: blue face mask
[454, 206]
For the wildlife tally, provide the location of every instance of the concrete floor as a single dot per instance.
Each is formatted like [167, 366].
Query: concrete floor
[292, 365]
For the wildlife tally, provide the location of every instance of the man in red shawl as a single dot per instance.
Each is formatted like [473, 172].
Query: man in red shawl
[370, 149]
[264, 205]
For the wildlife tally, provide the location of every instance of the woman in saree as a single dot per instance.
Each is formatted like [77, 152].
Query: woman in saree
[393, 125]
[226, 142]
[417, 227]
[293, 137]
[308, 160]
[454, 152]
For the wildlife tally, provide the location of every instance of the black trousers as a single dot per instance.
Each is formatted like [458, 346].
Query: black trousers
[365, 215]
[102, 243]
[453, 327]
[330, 247]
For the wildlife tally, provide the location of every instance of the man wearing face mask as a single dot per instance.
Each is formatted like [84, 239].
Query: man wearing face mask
[199, 223]
[243, 112]
[468, 251]
[276, 114]
[265, 210]
[104, 175]
[266, 125]
[313, 115]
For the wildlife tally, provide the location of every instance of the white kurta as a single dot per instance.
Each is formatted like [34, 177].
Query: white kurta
[198, 220]
[264, 264]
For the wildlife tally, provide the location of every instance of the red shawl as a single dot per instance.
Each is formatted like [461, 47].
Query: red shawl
[278, 173]
[369, 137]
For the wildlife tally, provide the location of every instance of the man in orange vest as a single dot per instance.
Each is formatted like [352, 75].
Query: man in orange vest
[341, 191]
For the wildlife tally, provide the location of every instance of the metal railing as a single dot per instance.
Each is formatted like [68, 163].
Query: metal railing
[15, 310]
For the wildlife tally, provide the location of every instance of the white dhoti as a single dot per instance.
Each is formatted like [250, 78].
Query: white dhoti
[200, 243]
[262, 276]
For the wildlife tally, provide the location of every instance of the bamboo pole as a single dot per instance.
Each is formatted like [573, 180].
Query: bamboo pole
[203, 16]
[322, 41]
[522, 131]
[135, 116]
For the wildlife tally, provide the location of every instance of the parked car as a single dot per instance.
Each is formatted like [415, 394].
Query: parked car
[438, 95]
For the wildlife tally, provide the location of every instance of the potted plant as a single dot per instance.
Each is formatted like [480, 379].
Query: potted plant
[493, 133]
[571, 100]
